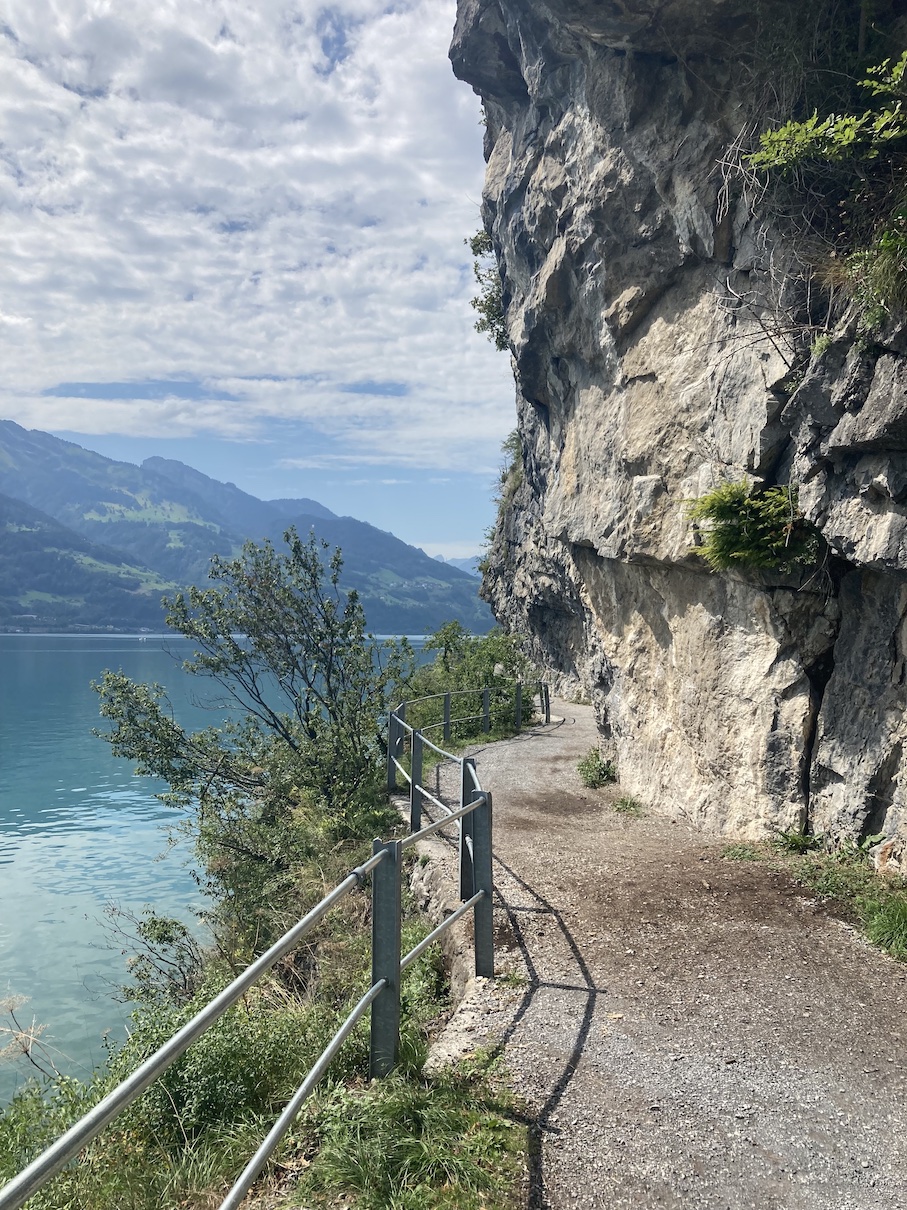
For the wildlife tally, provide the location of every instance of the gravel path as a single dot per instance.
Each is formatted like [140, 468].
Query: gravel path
[688, 1031]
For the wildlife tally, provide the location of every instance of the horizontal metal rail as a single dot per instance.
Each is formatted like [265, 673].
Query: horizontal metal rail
[435, 801]
[401, 769]
[442, 928]
[431, 697]
[476, 889]
[17, 1191]
[435, 748]
[442, 823]
[285, 1121]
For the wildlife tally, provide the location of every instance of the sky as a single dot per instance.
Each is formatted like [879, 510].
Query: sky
[232, 234]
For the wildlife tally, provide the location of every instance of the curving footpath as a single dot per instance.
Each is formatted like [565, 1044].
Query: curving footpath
[687, 1031]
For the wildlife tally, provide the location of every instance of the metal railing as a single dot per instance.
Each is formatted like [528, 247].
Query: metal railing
[401, 734]
[473, 814]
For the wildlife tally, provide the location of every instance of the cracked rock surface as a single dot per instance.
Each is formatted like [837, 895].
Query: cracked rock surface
[662, 322]
[687, 1031]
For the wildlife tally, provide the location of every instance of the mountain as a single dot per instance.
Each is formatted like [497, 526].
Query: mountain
[53, 578]
[403, 590]
[470, 566]
[145, 516]
[232, 508]
[164, 520]
[298, 508]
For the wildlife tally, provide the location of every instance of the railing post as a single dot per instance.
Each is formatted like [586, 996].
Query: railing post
[415, 789]
[546, 703]
[486, 706]
[483, 880]
[391, 752]
[385, 1024]
[467, 824]
[447, 716]
[518, 706]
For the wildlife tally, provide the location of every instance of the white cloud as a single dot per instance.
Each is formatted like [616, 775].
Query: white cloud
[270, 198]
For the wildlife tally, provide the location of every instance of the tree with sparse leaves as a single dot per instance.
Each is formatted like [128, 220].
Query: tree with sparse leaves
[298, 759]
[489, 302]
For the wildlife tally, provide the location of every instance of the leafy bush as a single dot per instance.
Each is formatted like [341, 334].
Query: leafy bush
[595, 771]
[297, 770]
[754, 529]
[464, 664]
[489, 302]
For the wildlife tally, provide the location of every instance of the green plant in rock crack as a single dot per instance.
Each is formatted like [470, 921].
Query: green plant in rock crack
[743, 527]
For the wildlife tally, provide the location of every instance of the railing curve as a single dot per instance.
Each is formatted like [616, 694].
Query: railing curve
[473, 815]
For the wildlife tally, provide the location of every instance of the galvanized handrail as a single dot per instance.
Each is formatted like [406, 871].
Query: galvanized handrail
[57, 1156]
[474, 816]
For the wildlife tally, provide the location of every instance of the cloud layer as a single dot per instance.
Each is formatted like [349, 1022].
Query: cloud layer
[222, 217]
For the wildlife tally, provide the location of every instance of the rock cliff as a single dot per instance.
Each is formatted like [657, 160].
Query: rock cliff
[662, 325]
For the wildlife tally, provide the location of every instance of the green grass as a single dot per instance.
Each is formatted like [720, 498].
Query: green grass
[741, 851]
[625, 805]
[450, 1141]
[843, 877]
[885, 922]
[189, 1135]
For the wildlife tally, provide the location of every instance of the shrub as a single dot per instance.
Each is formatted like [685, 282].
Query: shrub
[489, 302]
[746, 528]
[595, 771]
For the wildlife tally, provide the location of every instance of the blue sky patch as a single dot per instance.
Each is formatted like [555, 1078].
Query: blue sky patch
[390, 389]
[151, 388]
[332, 30]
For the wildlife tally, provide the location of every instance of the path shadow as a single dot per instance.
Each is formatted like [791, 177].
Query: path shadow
[541, 1123]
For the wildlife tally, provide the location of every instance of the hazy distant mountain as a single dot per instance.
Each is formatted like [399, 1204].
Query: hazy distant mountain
[470, 566]
[147, 517]
[167, 519]
[53, 578]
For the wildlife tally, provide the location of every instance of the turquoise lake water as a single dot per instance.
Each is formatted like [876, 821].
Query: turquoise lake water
[78, 832]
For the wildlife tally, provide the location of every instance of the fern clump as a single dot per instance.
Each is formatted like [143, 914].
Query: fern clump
[743, 528]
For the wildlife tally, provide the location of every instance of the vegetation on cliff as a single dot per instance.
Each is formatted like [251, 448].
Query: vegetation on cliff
[489, 302]
[855, 164]
[741, 527]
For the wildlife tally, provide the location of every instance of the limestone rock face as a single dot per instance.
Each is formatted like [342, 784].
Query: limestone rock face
[656, 322]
